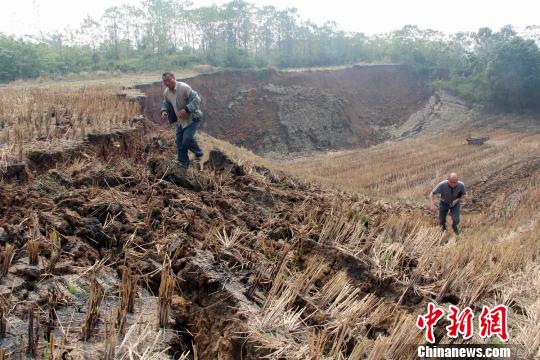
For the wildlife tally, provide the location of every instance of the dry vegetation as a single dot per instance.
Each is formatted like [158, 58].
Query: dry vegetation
[483, 267]
[46, 113]
[410, 169]
[43, 117]
[242, 259]
[116, 80]
[495, 260]
[315, 273]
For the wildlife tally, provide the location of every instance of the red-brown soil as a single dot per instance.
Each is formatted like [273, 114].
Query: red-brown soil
[273, 112]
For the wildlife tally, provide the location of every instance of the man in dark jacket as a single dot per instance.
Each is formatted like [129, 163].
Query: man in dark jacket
[181, 104]
[451, 192]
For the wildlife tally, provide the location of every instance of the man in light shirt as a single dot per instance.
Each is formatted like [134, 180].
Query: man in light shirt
[451, 191]
[181, 104]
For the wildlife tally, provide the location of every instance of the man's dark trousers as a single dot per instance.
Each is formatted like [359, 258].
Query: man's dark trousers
[185, 140]
[454, 212]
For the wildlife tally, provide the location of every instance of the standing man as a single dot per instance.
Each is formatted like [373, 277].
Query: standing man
[451, 192]
[181, 104]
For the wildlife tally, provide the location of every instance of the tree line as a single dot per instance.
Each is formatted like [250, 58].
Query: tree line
[498, 69]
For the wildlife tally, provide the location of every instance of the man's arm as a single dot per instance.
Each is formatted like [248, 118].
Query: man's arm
[432, 198]
[193, 101]
[167, 111]
[164, 106]
[460, 197]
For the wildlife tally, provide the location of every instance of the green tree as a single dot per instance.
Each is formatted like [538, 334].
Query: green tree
[512, 75]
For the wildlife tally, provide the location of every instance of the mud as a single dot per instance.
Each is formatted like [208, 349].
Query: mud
[226, 231]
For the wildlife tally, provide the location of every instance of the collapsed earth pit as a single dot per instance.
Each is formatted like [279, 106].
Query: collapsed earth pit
[276, 113]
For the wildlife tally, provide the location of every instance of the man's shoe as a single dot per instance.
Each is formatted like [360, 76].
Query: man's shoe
[197, 161]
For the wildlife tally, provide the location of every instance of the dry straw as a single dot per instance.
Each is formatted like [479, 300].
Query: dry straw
[55, 250]
[112, 336]
[33, 330]
[128, 291]
[95, 297]
[3, 320]
[50, 115]
[166, 288]
[8, 252]
[33, 252]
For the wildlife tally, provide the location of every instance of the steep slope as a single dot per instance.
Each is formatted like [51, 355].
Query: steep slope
[252, 262]
[443, 112]
[229, 234]
[273, 112]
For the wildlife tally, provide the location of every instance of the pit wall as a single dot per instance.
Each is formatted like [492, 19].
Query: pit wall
[272, 112]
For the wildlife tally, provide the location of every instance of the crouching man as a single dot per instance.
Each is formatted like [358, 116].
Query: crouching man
[181, 104]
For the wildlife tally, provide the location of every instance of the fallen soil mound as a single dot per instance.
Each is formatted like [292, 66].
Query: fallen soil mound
[272, 112]
[231, 250]
[443, 112]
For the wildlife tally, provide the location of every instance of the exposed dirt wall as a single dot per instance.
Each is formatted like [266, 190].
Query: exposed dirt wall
[283, 112]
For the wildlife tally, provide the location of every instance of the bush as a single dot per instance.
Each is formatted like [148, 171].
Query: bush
[512, 75]
[238, 58]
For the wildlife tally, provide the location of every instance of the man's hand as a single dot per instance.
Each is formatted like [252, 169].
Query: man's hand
[183, 114]
[164, 115]
[432, 201]
[454, 203]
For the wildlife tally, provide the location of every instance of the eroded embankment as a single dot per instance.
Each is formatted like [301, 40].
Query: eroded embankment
[231, 235]
[42, 156]
[273, 112]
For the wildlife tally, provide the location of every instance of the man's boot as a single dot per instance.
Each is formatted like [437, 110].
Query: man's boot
[197, 162]
[182, 166]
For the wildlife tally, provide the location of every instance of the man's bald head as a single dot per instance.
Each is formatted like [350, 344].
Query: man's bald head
[453, 180]
[169, 80]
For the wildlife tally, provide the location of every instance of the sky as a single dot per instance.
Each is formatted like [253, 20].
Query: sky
[30, 17]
